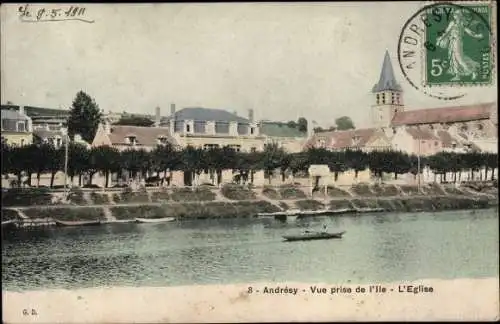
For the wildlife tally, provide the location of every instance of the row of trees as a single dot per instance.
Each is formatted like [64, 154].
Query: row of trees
[40, 159]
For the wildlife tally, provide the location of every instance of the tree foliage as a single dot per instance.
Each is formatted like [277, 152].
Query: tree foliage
[344, 123]
[84, 117]
[302, 124]
[135, 121]
[37, 159]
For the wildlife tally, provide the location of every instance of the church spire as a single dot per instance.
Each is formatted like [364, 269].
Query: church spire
[387, 80]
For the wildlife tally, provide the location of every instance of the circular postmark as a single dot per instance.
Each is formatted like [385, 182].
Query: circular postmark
[445, 48]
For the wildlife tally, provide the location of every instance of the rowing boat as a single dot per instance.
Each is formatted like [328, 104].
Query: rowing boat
[154, 220]
[77, 223]
[308, 236]
[9, 224]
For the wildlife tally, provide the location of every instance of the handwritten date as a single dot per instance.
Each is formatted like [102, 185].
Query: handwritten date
[28, 14]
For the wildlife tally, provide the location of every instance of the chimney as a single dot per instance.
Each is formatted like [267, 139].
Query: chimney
[250, 115]
[157, 117]
[107, 126]
[21, 110]
[172, 110]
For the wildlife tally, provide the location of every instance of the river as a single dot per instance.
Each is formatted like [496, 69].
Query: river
[375, 248]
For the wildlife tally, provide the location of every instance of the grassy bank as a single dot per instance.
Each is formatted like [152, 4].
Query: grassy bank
[240, 201]
[248, 209]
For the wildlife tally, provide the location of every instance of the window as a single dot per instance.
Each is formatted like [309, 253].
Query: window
[178, 126]
[480, 127]
[22, 141]
[243, 129]
[21, 127]
[199, 127]
[210, 146]
[383, 98]
[132, 140]
[237, 148]
[392, 99]
[221, 127]
[378, 98]
[463, 128]
[58, 142]
[162, 140]
[251, 130]
[188, 128]
[253, 149]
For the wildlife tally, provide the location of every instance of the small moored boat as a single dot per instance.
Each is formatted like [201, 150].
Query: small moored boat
[9, 224]
[307, 236]
[154, 220]
[77, 223]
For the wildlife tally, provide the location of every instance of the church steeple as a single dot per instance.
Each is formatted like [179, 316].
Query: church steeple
[387, 80]
[388, 95]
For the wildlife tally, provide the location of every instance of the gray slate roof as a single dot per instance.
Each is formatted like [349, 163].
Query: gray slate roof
[13, 115]
[207, 114]
[387, 80]
[33, 111]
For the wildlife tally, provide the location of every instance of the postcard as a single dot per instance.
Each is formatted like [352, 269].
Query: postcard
[249, 162]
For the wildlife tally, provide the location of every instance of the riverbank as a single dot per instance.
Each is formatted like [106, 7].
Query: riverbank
[232, 201]
[457, 299]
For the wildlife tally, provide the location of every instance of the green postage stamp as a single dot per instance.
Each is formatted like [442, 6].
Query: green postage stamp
[458, 44]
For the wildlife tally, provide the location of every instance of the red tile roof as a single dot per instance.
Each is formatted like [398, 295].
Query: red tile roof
[443, 114]
[421, 134]
[145, 136]
[344, 139]
[446, 138]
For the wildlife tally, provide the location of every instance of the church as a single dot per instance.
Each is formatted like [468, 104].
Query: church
[415, 131]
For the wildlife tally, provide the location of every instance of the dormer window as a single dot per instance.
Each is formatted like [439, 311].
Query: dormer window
[21, 127]
[454, 145]
[162, 140]
[356, 139]
[131, 139]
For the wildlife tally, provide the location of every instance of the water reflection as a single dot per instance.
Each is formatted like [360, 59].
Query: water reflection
[376, 247]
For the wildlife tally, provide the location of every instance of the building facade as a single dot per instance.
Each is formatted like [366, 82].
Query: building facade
[132, 137]
[17, 128]
[208, 127]
[290, 138]
[417, 131]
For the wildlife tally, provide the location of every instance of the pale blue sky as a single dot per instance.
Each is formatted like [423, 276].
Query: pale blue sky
[283, 60]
